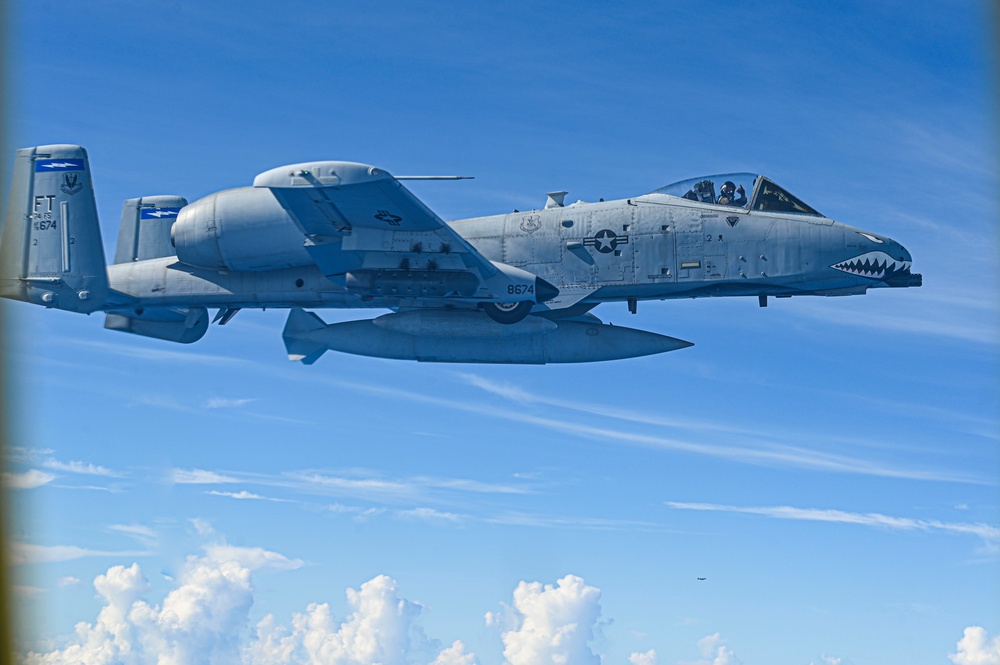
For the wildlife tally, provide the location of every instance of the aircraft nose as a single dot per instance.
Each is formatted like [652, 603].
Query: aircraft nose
[901, 253]
[899, 275]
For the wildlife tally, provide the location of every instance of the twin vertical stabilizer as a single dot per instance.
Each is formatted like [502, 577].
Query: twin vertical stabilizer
[50, 248]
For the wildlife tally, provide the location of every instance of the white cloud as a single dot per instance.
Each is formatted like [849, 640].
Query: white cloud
[201, 620]
[455, 655]
[204, 619]
[430, 515]
[141, 533]
[550, 624]
[253, 558]
[360, 514]
[990, 534]
[639, 658]
[245, 495]
[758, 449]
[27, 591]
[68, 581]
[43, 457]
[199, 477]
[976, 648]
[27, 480]
[26, 553]
[377, 631]
[715, 652]
[201, 527]
[226, 403]
[829, 660]
[80, 467]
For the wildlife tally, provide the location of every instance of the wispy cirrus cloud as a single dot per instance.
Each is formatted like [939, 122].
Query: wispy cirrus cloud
[220, 406]
[244, 495]
[200, 477]
[153, 354]
[27, 553]
[45, 458]
[142, 533]
[228, 402]
[25, 481]
[755, 447]
[83, 468]
[990, 534]
[430, 515]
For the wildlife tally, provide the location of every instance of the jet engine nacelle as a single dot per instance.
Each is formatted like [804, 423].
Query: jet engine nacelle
[238, 229]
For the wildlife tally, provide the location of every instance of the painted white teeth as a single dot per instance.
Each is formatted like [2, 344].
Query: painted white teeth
[873, 265]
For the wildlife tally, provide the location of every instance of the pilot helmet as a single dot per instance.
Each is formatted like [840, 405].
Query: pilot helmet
[728, 186]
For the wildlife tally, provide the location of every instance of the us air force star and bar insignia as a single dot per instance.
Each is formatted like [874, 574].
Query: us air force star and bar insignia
[605, 241]
[388, 217]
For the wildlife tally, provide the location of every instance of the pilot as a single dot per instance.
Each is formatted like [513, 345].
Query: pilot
[727, 197]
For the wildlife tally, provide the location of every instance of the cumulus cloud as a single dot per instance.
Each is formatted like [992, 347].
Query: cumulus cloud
[27, 480]
[550, 624]
[639, 658]
[379, 630]
[455, 655]
[715, 652]
[204, 619]
[201, 620]
[976, 648]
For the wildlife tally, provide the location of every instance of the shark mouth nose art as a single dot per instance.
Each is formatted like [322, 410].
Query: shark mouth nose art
[874, 265]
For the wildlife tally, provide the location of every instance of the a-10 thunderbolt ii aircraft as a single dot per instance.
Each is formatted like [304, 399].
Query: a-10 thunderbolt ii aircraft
[513, 288]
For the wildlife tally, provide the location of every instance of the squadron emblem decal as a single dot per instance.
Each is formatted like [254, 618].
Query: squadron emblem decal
[388, 217]
[71, 183]
[605, 241]
[531, 224]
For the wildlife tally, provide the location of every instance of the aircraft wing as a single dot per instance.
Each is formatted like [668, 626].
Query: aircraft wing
[357, 217]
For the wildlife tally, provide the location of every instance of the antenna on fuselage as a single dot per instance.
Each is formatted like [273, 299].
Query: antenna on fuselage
[555, 199]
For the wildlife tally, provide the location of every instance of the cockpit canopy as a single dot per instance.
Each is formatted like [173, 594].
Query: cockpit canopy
[748, 191]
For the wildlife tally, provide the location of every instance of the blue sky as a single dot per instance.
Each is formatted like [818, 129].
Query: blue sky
[831, 466]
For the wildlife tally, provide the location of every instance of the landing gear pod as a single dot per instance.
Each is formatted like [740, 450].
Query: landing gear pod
[173, 325]
[535, 288]
[507, 312]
